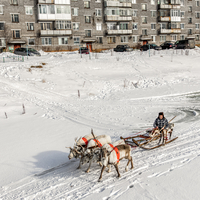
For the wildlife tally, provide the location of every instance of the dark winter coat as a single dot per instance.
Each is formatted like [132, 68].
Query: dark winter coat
[160, 123]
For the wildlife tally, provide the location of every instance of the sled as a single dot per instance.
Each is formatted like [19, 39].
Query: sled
[148, 141]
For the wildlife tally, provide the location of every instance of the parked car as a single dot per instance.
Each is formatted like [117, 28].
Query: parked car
[83, 50]
[167, 45]
[122, 48]
[185, 44]
[151, 46]
[26, 51]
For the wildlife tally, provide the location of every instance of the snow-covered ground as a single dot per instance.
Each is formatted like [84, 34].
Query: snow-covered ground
[120, 95]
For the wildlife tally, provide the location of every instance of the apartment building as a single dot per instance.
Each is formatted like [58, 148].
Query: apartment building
[55, 25]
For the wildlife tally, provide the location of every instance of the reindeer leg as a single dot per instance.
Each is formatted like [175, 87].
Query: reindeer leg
[116, 167]
[101, 173]
[79, 167]
[109, 168]
[127, 164]
[88, 170]
[131, 163]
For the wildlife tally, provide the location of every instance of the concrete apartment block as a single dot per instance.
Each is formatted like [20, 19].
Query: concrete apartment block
[59, 25]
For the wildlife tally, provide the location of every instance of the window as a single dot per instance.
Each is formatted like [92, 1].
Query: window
[175, 13]
[144, 20]
[189, 31]
[98, 26]
[28, 10]
[144, 7]
[197, 26]
[189, 8]
[97, 1]
[75, 11]
[182, 2]
[63, 9]
[75, 26]
[182, 14]
[112, 26]
[86, 4]
[46, 26]
[123, 26]
[174, 25]
[51, 9]
[153, 26]
[1, 26]
[63, 41]
[2, 42]
[98, 12]
[197, 3]
[190, 20]
[100, 40]
[163, 26]
[197, 37]
[153, 13]
[111, 40]
[135, 26]
[163, 38]
[30, 26]
[133, 1]
[87, 19]
[174, 37]
[135, 40]
[153, 38]
[14, 2]
[124, 39]
[182, 37]
[88, 33]
[31, 42]
[153, 2]
[182, 26]
[135, 13]
[43, 9]
[63, 25]
[197, 14]
[1, 10]
[76, 40]
[16, 34]
[144, 32]
[15, 18]
[46, 41]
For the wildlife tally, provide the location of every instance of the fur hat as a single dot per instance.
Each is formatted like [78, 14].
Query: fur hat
[161, 113]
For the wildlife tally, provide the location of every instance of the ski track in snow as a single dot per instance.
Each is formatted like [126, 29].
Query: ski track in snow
[65, 182]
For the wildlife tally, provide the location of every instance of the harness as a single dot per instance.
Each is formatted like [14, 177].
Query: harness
[116, 151]
[97, 141]
[85, 140]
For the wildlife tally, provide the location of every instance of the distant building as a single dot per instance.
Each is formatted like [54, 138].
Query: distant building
[56, 25]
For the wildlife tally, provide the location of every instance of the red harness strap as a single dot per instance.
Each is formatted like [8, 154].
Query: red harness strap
[85, 140]
[97, 141]
[116, 151]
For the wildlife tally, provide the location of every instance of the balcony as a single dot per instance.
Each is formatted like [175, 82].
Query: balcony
[53, 2]
[117, 4]
[169, 31]
[145, 37]
[45, 1]
[169, 6]
[123, 32]
[55, 32]
[165, 19]
[118, 18]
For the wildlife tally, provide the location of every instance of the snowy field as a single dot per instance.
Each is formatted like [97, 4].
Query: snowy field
[120, 95]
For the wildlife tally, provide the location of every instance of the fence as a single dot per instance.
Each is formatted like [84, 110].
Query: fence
[12, 59]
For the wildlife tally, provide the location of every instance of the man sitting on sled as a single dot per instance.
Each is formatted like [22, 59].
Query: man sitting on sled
[160, 126]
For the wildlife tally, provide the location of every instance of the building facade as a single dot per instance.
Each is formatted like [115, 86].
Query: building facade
[57, 25]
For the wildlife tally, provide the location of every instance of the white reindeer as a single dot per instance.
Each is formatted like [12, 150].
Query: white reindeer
[113, 157]
[94, 155]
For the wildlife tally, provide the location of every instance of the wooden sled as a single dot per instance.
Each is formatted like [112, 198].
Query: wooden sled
[146, 142]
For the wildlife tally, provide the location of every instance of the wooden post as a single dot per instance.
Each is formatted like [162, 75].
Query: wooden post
[79, 94]
[24, 111]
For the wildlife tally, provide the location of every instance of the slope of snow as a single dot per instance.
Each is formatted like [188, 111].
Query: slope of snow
[120, 95]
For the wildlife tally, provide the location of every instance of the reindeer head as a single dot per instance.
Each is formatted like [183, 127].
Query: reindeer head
[104, 156]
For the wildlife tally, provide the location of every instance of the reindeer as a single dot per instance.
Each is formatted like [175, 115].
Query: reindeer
[94, 155]
[79, 151]
[113, 157]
